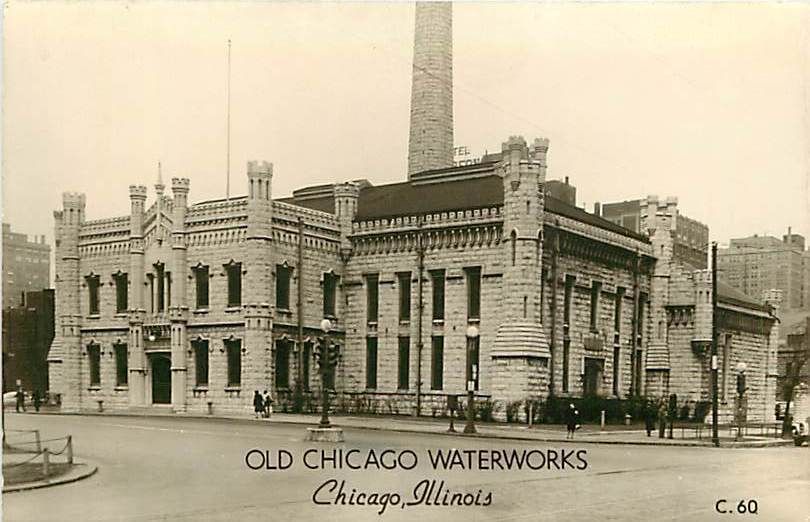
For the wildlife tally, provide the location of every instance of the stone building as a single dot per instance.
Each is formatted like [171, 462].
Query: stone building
[755, 264]
[26, 265]
[28, 330]
[458, 273]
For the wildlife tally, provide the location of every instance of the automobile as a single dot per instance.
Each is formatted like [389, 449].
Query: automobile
[801, 432]
[9, 399]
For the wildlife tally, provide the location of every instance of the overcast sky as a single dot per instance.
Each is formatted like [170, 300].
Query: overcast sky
[708, 103]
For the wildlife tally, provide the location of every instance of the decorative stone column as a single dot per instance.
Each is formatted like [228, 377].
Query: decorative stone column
[178, 308]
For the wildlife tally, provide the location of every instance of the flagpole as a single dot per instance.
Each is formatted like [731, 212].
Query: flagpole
[228, 132]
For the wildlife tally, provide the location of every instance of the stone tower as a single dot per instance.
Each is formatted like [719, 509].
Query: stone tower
[521, 343]
[346, 196]
[431, 137]
[178, 309]
[68, 290]
[137, 309]
[258, 270]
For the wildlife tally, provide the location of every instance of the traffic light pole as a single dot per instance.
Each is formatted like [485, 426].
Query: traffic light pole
[715, 436]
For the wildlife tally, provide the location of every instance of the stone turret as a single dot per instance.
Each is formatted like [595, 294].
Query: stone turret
[137, 358]
[178, 310]
[258, 288]
[520, 341]
[346, 196]
[773, 298]
[69, 292]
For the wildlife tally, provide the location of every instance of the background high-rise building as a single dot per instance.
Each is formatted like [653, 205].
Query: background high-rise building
[757, 263]
[26, 265]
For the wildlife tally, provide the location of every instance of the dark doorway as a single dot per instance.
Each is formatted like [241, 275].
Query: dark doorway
[161, 379]
[593, 377]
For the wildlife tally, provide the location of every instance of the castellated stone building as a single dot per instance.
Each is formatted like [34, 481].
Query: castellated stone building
[194, 306]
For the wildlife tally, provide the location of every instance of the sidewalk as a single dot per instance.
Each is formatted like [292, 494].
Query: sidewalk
[589, 434]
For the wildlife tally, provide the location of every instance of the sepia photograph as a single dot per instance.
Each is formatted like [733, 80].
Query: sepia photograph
[435, 261]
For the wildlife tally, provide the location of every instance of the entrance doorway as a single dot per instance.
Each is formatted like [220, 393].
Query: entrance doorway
[593, 376]
[161, 378]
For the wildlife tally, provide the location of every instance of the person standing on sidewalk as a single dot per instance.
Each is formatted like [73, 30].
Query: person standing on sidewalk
[649, 417]
[37, 398]
[571, 421]
[258, 404]
[268, 404]
[20, 404]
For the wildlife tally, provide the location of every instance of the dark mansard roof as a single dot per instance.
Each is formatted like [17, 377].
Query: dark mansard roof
[411, 198]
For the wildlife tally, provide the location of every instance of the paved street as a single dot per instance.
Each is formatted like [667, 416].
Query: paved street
[167, 468]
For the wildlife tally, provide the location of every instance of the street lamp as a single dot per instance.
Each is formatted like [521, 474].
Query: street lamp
[472, 374]
[741, 367]
[324, 365]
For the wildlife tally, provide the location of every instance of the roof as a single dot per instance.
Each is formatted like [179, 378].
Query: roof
[730, 295]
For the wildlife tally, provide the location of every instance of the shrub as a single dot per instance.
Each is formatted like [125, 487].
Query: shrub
[512, 410]
[485, 409]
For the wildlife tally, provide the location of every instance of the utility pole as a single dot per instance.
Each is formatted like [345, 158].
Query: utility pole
[715, 437]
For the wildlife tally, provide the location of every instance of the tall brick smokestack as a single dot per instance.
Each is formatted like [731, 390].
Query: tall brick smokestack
[431, 138]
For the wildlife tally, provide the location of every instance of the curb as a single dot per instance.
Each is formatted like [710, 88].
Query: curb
[584, 439]
[88, 468]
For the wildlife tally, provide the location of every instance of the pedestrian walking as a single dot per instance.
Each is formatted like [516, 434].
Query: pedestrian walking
[37, 398]
[20, 404]
[571, 421]
[258, 404]
[649, 417]
[268, 404]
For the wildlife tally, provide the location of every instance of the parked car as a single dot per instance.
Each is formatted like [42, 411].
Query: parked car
[801, 432]
[9, 399]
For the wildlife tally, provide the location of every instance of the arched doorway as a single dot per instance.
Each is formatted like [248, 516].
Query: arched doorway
[161, 378]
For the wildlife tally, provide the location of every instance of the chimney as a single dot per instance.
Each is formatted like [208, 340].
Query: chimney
[597, 208]
[430, 145]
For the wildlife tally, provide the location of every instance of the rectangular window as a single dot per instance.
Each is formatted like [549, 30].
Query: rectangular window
[93, 284]
[151, 278]
[404, 363]
[234, 271]
[282, 361]
[543, 279]
[234, 349]
[201, 361]
[404, 280]
[616, 368]
[94, 359]
[201, 283]
[569, 292]
[330, 282]
[640, 318]
[596, 290]
[121, 367]
[121, 296]
[372, 298]
[160, 279]
[617, 310]
[437, 363]
[473, 292]
[371, 363]
[168, 289]
[566, 357]
[307, 355]
[437, 280]
[283, 278]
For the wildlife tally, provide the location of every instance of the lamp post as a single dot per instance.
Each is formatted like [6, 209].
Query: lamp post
[741, 367]
[325, 366]
[472, 374]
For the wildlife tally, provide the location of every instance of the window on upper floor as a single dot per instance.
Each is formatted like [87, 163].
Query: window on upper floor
[404, 284]
[234, 273]
[93, 284]
[473, 292]
[596, 290]
[283, 279]
[330, 284]
[372, 298]
[437, 284]
[121, 292]
[201, 278]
